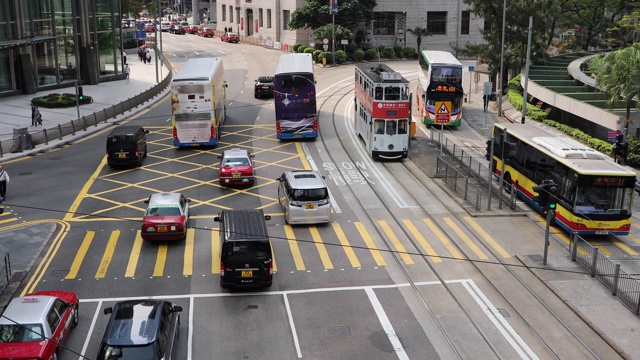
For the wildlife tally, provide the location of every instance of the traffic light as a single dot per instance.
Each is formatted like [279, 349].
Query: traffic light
[489, 145]
[553, 192]
[543, 195]
[621, 149]
[80, 94]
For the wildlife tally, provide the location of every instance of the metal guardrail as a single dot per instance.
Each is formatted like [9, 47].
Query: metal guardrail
[622, 285]
[5, 272]
[19, 143]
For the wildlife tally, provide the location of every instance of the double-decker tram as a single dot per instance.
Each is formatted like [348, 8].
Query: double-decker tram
[198, 102]
[594, 194]
[295, 97]
[439, 79]
[383, 111]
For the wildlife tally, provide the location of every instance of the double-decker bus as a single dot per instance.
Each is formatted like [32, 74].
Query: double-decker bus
[594, 193]
[383, 111]
[439, 79]
[198, 102]
[295, 97]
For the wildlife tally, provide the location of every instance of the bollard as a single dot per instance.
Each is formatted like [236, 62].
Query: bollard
[466, 186]
[84, 122]
[594, 261]
[73, 129]
[46, 137]
[615, 280]
[60, 131]
[115, 113]
[574, 245]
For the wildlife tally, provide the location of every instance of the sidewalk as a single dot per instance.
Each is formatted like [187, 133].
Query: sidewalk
[15, 111]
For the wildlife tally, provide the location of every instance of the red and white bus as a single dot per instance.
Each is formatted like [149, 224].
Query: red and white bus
[383, 111]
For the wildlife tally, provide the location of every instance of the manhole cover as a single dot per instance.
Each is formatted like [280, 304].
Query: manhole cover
[339, 331]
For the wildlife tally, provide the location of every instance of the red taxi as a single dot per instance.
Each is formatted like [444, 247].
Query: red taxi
[236, 167]
[166, 217]
[206, 32]
[230, 37]
[35, 326]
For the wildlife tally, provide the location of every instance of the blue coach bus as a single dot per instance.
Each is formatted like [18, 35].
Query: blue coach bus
[295, 97]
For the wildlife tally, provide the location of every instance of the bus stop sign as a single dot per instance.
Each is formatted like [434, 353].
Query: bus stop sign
[443, 112]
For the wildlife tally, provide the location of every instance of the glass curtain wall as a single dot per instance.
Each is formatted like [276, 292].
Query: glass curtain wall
[6, 80]
[65, 41]
[106, 33]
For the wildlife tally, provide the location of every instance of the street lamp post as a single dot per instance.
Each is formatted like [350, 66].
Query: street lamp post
[504, 27]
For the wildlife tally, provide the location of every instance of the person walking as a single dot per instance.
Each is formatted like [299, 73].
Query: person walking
[4, 180]
[148, 57]
[127, 71]
[33, 114]
[37, 118]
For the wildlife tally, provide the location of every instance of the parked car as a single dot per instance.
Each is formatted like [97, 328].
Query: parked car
[36, 326]
[141, 329]
[193, 29]
[236, 167]
[231, 37]
[151, 28]
[205, 32]
[166, 217]
[264, 87]
[178, 30]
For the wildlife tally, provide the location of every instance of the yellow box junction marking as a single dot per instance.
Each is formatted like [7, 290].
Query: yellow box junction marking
[295, 250]
[322, 250]
[396, 242]
[80, 255]
[188, 252]
[466, 239]
[108, 254]
[134, 256]
[370, 244]
[158, 269]
[444, 239]
[425, 245]
[346, 246]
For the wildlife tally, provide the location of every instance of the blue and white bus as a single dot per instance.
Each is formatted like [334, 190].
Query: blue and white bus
[295, 97]
[439, 79]
[198, 102]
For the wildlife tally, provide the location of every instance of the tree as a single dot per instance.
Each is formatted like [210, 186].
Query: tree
[619, 79]
[419, 33]
[315, 13]
[326, 32]
[131, 7]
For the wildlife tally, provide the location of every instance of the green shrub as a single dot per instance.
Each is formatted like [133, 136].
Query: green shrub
[359, 55]
[341, 56]
[371, 54]
[308, 50]
[321, 55]
[295, 47]
[316, 55]
[329, 56]
[301, 49]
[351, 48]
[409, 52]
[55, 100]
[397, 51]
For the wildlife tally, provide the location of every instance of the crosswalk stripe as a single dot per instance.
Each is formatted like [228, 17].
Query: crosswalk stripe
[494, 244]
[353, 259]
[108, 254]
[134, 256]
[161, 259]
[188, 252]
[433, 255]
[295, 250]
[82, 252]
[443, 239]
[215, 252]
[396, 242]
[370, 244]
[322, 250]
[466, 239]
[624, 247]
[602, 248]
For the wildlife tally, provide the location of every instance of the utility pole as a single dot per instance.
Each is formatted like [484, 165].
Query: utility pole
[501, 75]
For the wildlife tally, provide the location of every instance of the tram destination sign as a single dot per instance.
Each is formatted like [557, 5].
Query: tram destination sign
[443, 112]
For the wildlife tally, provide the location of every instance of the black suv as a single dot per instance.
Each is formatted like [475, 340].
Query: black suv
[126, 145]
[264, 87]
[141, 329]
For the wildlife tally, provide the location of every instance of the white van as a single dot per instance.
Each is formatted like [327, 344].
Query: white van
[304, 197]
[165, 25]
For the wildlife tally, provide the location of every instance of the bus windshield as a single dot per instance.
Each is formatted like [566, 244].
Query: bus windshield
[597, 199]
[447, 75]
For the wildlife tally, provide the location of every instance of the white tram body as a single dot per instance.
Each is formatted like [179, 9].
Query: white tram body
[383, 111]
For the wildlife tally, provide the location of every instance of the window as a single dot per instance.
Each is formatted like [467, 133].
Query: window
[384, 23]
[224, 12]
[231, 14]
[464, 24]
[286, 15]
[437, 22]
[260, 18]
[268, 18]
[237, 15]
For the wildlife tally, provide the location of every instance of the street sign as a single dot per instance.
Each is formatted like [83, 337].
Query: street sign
[325, 41]
[488, 88]
[325, 47]
[471, 68]
[611, 135]
[141, 26]
[140, 34]
[443, 112]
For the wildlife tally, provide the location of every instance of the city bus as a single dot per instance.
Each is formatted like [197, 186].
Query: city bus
[439, 79]
[295, 97]
[383, 111]
[594, 193]
[198, 102]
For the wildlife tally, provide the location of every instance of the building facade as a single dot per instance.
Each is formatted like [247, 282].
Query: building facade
[49, 44]
[450, 23]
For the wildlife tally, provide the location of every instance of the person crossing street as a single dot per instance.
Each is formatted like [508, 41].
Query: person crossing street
[4, 180]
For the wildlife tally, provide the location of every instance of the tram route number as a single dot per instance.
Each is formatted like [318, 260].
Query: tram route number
[348, 173]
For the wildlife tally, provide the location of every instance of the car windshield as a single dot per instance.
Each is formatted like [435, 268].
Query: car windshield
[15, 333]
[310, 194]
[236, 162]
[164, 211]
[145, 352]
[246, 250]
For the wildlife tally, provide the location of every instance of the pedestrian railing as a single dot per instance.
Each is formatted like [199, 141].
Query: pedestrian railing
[5, 272]
[622, 285]
[21, 142]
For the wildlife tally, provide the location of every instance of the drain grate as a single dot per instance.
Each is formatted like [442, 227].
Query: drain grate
[339, 331]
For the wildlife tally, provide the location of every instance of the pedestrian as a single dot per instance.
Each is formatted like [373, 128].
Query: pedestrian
[230, 30]
[4, 180]
[140, 54]
[149, 57]
[37, 118]
[125, 58]
[127, 71]
[33, 114]
[144, 57]
[225, 29]
[486, 102]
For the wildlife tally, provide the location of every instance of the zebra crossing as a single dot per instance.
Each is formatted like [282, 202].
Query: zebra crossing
[335, 246]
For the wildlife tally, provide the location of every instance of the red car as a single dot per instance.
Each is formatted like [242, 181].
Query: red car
[166, 217]
[230, 37]
[206, 32]
[193, 29]
[36, 325]
[151, 28]
[236, 167]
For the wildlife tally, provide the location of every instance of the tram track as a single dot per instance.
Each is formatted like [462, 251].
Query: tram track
[330, 104]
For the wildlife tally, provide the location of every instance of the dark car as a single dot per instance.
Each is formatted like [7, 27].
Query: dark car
[126, 145]
[264, 87]
[178, 30]
[141, 329]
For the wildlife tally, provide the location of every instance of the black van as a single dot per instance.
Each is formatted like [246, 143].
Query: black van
[246, 257]
[126, 145]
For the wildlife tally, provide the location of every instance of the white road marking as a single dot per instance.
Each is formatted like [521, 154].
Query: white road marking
[386, 325]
